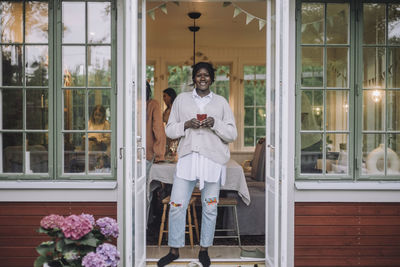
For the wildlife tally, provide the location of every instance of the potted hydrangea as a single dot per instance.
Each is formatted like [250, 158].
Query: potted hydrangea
[78, 240]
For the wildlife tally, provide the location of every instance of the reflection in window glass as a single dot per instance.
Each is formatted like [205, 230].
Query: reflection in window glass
[99, 22]
[394, 24]
[393, 77]
[74, 107]
[11, 60]
[36, 62]
[337, 110]
[312, 109]
[36, 22]
[221, 85]
[150, 76]
[337, 23]
[312, 23]
[337, 161]
[373, 149]
[374, 60]
[11, 21]
[374, 110]
[374, 23]
[74, 153]
[74, 71]
[73, 19]
[393, 155]
[36, 158]
[37, 105]
[99, 66]
[254, 104]
[337, 65]
[312, 63]
[12, 108]
[311, 153]
[393, 102]
[11, 152]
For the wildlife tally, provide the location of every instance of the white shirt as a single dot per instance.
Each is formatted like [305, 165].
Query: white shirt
[198, 167]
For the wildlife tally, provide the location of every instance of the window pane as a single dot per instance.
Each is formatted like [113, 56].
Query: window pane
[312, 109]
[312, 23]
[180, 78]
[373, 110]
[260, 132]
[12, 152]
[337, 23]
[374, 67]
[393, 155]
[260, 93]
[249, 70]
[260, 117]
[11, 57]
[337, 110]
[37, 153]
[311, 151]
[74, 109]
[336, 153]
[73, 17]
[394, 67]
[73, 60]
[11, 22]
[150, 76]
[221, 84]
[100, 100]
[37, 109]
[374, 23]
[337, 64]
[99, 153]
[373, 149]
[249, 137]
[36, 22]
[99, 66]
[249, 116]
[99, 22]
[394, 24]
[74, 153]
[248, 94]
[393, 110]
[12, 108]
[36, 70]
[312, 67]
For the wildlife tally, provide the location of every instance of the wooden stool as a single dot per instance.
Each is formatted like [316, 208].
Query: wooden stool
[191, 207]
[230, 202]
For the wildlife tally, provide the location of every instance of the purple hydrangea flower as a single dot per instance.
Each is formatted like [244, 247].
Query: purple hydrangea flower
[51, 221]
[75, 227]
[110, 254]
[89, 217]
[93, 260]
[108, 226]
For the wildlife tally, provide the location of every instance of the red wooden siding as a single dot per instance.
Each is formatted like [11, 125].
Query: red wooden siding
[19, 222]
[347, 234]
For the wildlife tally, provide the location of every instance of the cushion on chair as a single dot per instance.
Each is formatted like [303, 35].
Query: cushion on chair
[258, 162]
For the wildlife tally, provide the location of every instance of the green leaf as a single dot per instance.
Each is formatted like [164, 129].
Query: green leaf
[91, 241]
[60, 245]
[69, 241]
[40, 261]
[46, 248]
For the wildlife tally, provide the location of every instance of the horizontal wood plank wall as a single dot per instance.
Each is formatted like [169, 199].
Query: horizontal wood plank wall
[347, 234]
[19, 222]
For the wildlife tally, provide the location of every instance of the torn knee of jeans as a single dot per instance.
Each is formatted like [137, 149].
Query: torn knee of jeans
[211, 201]
[175, 204]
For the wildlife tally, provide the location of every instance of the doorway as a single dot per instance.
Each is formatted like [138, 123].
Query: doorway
[230, 37]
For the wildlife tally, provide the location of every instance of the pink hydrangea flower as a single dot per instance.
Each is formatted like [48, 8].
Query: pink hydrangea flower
[51, 221]
[75, 227]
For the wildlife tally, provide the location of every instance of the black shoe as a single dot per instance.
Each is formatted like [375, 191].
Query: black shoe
[204, 258]
[167, 259]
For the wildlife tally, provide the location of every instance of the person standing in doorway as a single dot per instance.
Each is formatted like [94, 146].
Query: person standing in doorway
[155, 137]
[205, 124]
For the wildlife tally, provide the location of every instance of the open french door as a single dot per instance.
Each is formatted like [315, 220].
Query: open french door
[277, 162]
[134, 200]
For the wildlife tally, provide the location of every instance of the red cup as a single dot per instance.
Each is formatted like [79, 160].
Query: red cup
[201, 117]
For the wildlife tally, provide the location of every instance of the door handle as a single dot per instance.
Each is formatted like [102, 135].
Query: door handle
[143, 150]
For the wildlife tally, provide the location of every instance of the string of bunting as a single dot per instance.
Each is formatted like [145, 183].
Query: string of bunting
[162, 6]
[249, 17]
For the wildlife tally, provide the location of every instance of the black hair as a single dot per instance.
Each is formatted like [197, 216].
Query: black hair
[171, 92]
[148, 91]
[204, 65]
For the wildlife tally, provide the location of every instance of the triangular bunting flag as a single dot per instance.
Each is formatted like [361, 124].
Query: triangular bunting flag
[225, 4]
[316, 25]
[152, 14]
[176, 3]
[164, 8]
[236, 12]
[303, 27]
[261, 24]
[249, 18]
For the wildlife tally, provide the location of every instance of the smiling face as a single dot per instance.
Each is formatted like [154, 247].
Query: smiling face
[202, 81]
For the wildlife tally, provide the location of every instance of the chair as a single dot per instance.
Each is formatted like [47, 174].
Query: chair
[191, 207]
[230, 202]
[257, 164]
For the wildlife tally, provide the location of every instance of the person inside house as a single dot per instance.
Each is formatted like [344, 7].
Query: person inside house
[169, 96]
[98, 122]
[205, 124]
[155, 140]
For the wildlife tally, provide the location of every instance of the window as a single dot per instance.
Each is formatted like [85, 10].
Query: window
[56, 89]
[150, 76]
[254, 104]
[347, 92]
[180, 78]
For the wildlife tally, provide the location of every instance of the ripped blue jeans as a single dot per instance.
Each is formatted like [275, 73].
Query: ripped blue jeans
[180, 196]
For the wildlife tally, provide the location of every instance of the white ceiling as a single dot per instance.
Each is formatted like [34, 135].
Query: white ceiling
[218, 28]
